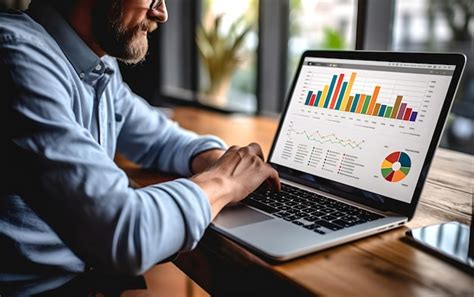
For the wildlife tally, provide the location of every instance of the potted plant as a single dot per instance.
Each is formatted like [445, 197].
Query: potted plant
[221, 54]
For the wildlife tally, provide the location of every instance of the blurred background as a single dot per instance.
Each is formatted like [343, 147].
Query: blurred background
[239, 56]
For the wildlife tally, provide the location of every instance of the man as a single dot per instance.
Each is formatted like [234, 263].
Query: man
[68, 206]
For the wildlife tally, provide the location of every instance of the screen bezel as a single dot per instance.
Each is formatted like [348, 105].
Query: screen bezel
[372, 199]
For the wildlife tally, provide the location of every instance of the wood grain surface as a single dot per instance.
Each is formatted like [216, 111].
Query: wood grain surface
[381, 265]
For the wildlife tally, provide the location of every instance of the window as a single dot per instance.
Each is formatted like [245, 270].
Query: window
[442, 26]
[319, 25]
[227, 49]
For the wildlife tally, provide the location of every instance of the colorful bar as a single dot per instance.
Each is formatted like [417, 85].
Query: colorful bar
[348, 91]
[313, 98]
[407, 115]
[331, 88]
[337, 96]
[325, 92]
[308, 97]
[361, 102]
[374, 100]
[388, 112]
[402, 111]
[349, 104]
[396, 107]
[376, 110]
[354, 104]
[338, 88]
[341, 96]
[366, 104]
[318, 98]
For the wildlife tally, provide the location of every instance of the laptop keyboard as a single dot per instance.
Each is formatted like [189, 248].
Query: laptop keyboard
[309, 210]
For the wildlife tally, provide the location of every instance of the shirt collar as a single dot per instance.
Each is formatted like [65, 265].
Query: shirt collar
[82, 58]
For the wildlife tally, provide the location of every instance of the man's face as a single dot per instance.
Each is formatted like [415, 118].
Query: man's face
[121, 27]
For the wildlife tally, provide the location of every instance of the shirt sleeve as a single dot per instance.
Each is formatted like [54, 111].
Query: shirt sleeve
[73, 185]
[151, 140]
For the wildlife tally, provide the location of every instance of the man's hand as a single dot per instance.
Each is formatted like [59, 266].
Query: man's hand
[235, 175]
[205, 159]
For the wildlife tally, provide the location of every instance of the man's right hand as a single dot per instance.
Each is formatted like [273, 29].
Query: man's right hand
[235, 175]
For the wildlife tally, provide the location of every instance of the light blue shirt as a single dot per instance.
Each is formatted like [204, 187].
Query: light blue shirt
[68, 205]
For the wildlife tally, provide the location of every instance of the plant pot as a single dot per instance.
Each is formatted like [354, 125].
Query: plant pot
[217, 93]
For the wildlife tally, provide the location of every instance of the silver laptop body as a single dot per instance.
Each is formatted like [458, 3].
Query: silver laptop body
[359, 128]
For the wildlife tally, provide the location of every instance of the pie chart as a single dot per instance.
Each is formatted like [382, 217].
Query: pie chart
[396, 166]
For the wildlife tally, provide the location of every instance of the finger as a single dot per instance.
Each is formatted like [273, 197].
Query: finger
[248, 163]
[229, 161]
[256, 149]
[233, 148]
[274, 179]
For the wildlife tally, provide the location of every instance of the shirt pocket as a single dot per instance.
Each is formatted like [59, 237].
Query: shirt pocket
[118, 119]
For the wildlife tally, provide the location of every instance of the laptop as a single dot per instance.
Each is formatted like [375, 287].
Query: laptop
[353, 149]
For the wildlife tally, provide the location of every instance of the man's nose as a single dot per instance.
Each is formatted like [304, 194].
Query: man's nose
[159, 14]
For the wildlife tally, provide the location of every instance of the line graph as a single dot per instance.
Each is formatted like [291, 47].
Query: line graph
[323, 138]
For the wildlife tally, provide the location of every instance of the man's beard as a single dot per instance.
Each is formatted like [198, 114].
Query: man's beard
[129, 45]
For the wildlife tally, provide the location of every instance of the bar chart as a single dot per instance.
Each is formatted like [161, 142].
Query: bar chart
[365, 124]
[338, 95]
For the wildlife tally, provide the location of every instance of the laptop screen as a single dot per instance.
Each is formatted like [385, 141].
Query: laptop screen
[365, 124]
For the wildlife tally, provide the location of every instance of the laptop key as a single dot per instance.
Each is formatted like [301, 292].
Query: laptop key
[275, 204]
[299, 215]
[311, 226]
[291, 203]
[328, 218]
[257, 198]
[350, 219]
[281, 214]
[286, 214]
[317, 213]
[328, 225]
[283, 207]
[342, 223]
[325, 210]
[319, 231]
[260, 206]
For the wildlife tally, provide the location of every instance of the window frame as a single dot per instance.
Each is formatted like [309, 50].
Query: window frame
[180, 50]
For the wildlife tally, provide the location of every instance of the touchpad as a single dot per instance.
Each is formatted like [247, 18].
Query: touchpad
[239, 215]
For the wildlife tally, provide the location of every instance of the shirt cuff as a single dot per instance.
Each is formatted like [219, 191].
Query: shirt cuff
[195, 207]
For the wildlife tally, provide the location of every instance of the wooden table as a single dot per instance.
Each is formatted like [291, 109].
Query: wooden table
[381, 265]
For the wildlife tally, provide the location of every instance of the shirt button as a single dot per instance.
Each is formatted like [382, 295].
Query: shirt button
[82, 75]
[98, 67]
